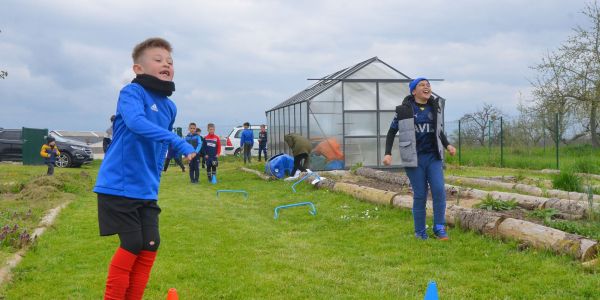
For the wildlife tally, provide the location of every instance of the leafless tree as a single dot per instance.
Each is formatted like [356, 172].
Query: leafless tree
[477, 124]
[569, 79]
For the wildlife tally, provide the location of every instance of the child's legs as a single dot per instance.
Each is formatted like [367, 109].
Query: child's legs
[179, 162]
[417, 178]
[299, 163]
[50, 168]
[435, 177]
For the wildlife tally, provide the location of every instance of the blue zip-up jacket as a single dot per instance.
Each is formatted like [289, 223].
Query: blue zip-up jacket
[142, 132]
[194, 140]
[247, 137]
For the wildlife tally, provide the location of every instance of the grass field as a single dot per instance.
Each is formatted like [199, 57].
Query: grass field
[231, 248]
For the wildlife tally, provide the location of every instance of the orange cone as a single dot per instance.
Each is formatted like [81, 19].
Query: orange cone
[172, 295]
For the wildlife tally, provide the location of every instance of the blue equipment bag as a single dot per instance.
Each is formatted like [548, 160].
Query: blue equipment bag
[280, 165]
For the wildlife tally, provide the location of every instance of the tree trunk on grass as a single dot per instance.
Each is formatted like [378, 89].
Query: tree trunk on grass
[532, 190]
[543, 237]
[365, 193]
[258, 173]
[389, 177]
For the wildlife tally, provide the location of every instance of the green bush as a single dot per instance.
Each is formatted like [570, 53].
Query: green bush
[584, 166]
[489, 203]
[567, 181]
[543, 213]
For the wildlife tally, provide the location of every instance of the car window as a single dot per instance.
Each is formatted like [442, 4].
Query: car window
[238, 134]
[255, 132]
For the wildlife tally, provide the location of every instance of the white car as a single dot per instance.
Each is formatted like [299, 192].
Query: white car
[232, 146]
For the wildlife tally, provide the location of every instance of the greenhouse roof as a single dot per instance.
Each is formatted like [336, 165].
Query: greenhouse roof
[330, 80]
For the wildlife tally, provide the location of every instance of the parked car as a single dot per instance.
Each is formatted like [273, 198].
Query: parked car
[11, 145]
[232, 146]
[72, 153]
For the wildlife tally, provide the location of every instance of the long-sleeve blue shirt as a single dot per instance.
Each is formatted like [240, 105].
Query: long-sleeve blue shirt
[247, 137]
[142, 132]
[195, 140]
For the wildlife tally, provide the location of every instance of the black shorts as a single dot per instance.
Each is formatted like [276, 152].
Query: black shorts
[118, 214]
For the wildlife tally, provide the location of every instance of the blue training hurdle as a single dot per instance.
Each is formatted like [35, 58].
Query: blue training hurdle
[312, 211]
[303, 178]
[233, 191]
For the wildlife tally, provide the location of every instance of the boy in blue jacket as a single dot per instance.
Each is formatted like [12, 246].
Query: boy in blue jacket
[247, 141]
[128, 179]
[193, 138]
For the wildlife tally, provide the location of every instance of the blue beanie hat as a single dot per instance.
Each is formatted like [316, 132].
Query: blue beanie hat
[413, 84]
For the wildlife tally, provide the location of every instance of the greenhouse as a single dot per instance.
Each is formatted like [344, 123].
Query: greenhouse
[346, 116]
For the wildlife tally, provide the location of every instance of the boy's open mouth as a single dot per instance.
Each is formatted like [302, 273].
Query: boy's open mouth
[166, 73]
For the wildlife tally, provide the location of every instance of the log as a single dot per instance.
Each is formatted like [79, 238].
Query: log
[532, 190]
[365, 193]
[480, 221]
[388, 177]
[543, 237]
[258, 173]
[569, 209]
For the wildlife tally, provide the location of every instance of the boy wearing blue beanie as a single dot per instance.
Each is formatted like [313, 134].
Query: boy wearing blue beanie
[422, 142]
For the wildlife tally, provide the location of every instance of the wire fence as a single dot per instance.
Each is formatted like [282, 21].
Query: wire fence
[518, 142]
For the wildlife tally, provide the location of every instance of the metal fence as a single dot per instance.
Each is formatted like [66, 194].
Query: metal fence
[517, 142]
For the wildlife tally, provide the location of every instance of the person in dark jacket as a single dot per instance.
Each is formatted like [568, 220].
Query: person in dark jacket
[247, 142]
[262, 142]
[194, 139]
[301, 148]
[422, 142]
[50, 152]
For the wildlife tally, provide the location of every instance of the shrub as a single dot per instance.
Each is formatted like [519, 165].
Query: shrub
[567, 181]
[489, 203]
[543, 213]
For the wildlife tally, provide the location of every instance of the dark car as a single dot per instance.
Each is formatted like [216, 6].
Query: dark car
[72, 153]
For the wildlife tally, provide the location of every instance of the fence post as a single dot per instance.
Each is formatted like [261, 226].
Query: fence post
[459, 145]
[557, 139]
[501, 144]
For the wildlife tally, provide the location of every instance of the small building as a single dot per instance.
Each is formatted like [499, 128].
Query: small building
[346, 116]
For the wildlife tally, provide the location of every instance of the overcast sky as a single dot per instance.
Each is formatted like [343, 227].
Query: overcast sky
[67, 60]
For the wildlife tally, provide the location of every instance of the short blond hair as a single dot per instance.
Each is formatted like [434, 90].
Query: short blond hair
[155, 42]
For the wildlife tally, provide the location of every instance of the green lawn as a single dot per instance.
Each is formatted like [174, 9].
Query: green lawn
[231, 248]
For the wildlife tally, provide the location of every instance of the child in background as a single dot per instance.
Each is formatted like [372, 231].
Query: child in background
[246, 142]
[194, 139]
[199, 133]
[49, 152]
[212, 150]
[129, 177]
[262, 141]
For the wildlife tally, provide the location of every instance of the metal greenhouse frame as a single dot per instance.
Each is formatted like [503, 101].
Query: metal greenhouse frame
[352, 108]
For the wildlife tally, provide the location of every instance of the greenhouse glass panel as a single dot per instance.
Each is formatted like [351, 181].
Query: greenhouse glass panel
[285, 121]
[361, 150]
[275, 135]
[325, 125]
[360, 96]
[376, 70]
[391, 94]
[326, 107]
[297, 119]
[282, 145]
[360, 123]
[304, 118]
[332, 94]
[385, 120]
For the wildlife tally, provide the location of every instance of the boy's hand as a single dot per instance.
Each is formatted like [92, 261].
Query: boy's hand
[451, 150]
[387, 160]
[190, 156]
